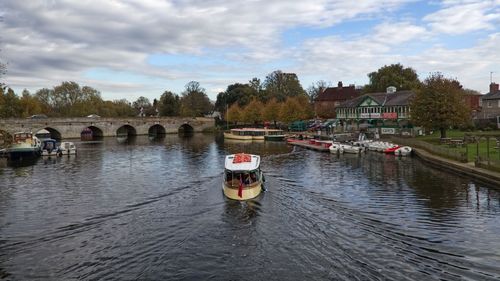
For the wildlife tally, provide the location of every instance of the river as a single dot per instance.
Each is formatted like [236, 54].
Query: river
[144, 210]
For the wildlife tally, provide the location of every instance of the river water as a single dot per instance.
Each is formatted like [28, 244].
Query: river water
[145, 210]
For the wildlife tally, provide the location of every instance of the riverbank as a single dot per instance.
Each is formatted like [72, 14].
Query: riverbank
[469, 169]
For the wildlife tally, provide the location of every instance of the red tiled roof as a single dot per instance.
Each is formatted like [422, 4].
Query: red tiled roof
[338, 94]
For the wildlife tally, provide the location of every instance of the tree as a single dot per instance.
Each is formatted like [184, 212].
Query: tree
[169, 104]
[439, 104]
[45, 100]
[142, 105]
[316, 88]
[252, 113]
[291, 110]
[271, 111]
[392, 75]
[194, 101]
[281, 85]
[234, 113]
[240, 93]
[10, 106]
[29, 104]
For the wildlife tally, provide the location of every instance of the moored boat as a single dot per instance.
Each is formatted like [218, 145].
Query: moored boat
[24, 145]
[68, 148]
[274, 135]
[238, 134]
[403, 151]
[255, 134]
[391, 149]
[242, 178]
[351, 149]
[50, 148]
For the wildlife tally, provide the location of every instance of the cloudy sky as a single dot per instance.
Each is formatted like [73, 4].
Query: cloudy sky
[127, 48]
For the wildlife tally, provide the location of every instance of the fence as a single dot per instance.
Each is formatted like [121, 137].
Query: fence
[483, 151]
[459, 155]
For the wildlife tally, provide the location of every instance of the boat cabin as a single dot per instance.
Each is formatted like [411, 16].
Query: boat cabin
[242, 169]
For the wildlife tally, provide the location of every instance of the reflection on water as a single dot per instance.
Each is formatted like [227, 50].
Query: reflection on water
[153, 209]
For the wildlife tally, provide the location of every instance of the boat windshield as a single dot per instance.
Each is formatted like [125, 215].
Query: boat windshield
[245, 177]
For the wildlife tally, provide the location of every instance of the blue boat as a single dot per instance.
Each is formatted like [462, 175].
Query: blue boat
[50, 148]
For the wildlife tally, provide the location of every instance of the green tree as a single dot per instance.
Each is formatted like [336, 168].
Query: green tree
[194, 101]
[291, 110]
[29, 104]
[439, 104]
[45, 100]
[10, 106]
[252, 112]
[240, 93]
[392, 75]
[282, 85]
[234, 113]
[271, 111]
[142, 105]
[170, 104]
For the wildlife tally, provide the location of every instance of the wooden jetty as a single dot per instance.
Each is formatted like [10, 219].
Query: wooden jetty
[307, 144]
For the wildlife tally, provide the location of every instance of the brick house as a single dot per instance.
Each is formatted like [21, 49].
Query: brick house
[491, 103]
[331, 97]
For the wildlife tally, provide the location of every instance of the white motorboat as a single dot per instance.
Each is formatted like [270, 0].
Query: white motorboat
[351, 149]
[243, 178]
[67, 148]
[336, 148]
[403, 151]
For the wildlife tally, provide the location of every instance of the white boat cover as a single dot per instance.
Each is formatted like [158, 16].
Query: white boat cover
[242, 162]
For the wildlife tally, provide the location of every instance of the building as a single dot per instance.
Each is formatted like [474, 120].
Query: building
[389, 111]
[472, 100]
[491, 103]
[331, 97]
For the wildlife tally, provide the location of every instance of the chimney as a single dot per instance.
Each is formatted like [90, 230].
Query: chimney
[340, 84]
[493, 87]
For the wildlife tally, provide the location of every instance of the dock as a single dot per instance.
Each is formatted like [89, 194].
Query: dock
[308, 145]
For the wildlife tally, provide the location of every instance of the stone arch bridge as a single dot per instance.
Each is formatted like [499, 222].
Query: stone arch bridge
[62, 128]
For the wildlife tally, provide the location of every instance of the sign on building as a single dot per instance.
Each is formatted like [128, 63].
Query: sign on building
[388, 131]
[389, 115]
[369, 115]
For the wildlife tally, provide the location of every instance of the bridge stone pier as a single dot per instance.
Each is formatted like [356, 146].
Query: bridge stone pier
[64, 128]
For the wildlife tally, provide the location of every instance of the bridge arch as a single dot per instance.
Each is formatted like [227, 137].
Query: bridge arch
[91, 133]
[126, 131]
[157, 131]
[186, 129]
[49, 133]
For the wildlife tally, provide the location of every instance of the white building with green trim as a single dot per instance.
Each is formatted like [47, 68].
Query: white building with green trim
[377, 110]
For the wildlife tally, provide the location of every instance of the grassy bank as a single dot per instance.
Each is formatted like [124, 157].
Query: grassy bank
[475, 147]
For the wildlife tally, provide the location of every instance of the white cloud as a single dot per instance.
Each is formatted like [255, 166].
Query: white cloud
[459, 17]
[46, 42]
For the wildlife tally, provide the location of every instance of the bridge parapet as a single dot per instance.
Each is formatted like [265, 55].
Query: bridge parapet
[73, 127]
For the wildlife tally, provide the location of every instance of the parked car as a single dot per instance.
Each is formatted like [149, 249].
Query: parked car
[38, 116]
[93, 116]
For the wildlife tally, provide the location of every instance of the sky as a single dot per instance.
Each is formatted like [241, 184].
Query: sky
[127, 49]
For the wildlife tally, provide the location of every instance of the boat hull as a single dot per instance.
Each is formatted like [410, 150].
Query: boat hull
[275, 138]
[247, 192]
[18, 153]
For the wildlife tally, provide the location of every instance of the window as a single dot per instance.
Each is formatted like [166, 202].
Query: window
[489, 104]
[498, 103]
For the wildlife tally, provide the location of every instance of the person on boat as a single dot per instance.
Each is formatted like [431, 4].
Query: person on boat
[247, 178]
